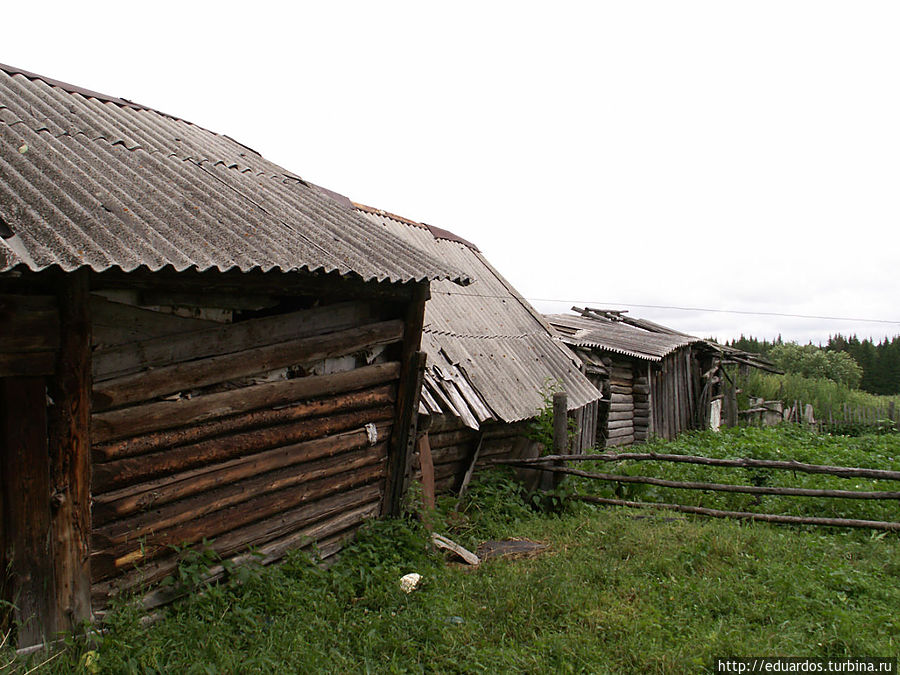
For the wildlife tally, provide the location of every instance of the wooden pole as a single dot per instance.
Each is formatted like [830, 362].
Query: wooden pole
[726, 487]
[70, 455]
[843, 471]
[745, 515]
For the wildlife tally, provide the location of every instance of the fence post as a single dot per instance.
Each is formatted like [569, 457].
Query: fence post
[560, 437]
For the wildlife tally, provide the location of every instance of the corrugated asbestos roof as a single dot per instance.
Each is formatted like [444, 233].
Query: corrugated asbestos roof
[490, 354]
[618, 337]
[89, 180]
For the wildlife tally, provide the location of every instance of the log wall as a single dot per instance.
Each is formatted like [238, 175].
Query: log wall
[453, 446]
[621, 425]
[268, 432]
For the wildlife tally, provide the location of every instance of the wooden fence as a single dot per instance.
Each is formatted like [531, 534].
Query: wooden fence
[877, 418]
[554, 464]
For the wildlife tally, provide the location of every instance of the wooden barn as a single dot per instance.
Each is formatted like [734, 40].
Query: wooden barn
[195, 344]
[491, 360]
[657, 381]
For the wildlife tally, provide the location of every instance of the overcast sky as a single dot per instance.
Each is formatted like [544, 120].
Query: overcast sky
[716, 155]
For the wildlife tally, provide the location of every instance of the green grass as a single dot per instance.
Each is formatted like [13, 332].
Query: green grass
[619, 591]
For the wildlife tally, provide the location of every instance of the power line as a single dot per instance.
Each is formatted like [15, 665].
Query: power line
[598, 303]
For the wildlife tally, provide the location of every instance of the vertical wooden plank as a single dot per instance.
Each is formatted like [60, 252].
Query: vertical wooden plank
[407, 409]
[426, 462]
[26, 495]
[69, 448]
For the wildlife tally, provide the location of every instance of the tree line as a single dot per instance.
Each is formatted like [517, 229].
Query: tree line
[864, 364]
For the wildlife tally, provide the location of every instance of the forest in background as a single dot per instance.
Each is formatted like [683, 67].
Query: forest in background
[873, 367]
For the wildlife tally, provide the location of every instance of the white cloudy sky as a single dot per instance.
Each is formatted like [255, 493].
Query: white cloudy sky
[717, 155]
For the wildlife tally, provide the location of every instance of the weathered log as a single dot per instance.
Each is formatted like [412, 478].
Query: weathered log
[136, 421]
[842, 471]
[725, 487]
[452, 438]
[620, 406]
[451, 453]
[620, 389]
[168, 515]
[225, 339]
[30, 322]
[69, 436]
[641, 389]
[620, 415]
[622, 373]
[615, 441]
[124, 553]
[130, 470]
[746, 515]
[448, 470]
[621, 398]
[336, 509]
[116, 323]
[620, 424]
[195, 374]
[144, 496]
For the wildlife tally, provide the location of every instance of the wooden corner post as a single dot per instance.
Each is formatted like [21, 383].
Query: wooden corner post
[70, 456]
[412, 370]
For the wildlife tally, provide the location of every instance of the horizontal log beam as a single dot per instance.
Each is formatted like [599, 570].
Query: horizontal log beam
[107, 561]
[162, 415]
[238, 540]
[195, 374]
[723, 487]
[226, 339]
[145, 496]
[131, 470]
[842, 471]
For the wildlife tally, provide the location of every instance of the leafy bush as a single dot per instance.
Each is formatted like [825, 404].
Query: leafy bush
[817, 363]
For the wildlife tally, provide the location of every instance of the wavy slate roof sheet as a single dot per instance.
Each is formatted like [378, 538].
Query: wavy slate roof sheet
[490, 354]
[88, 180]
[618, 337]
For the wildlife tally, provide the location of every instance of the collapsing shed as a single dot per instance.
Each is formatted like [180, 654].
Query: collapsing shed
[198, 343]
[491, 361]
[657, 380]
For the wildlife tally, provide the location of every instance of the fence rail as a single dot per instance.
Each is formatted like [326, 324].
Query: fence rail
[553, 464]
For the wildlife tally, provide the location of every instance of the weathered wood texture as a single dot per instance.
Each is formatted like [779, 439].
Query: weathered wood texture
[236, 460]
[70, 456]
[674, 385]
[412, 369]
[29, 335]
[453, 447]
[26, 505]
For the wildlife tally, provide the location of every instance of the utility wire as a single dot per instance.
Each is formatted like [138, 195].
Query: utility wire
[597, 303]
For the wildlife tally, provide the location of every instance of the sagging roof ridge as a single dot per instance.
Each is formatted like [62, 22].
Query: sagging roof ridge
[436, 232]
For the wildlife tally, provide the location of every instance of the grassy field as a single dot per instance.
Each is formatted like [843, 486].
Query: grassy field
[618, 591]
